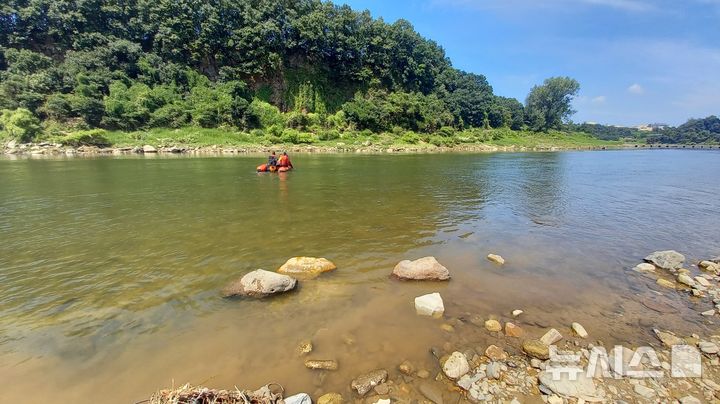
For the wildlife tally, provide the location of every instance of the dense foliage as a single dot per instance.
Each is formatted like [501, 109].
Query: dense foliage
[548, 105]
[694, 131]
[606, 132]
[268, 64]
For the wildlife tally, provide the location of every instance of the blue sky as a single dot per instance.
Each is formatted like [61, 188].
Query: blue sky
[637, 61]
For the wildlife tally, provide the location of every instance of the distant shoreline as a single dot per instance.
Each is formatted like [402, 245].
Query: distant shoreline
[56, 150]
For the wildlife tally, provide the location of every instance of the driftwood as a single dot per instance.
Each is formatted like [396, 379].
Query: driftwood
[187, 394]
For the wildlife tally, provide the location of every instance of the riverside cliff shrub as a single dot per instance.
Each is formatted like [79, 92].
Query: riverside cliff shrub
[19, 124]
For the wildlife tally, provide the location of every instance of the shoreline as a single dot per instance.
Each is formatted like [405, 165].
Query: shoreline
[57, 150]
[519, 365]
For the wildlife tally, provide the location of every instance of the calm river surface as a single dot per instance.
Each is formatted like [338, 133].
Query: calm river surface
[110, 267]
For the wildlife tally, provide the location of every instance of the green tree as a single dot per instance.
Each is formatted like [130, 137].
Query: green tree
[20, 124]
[549, 105]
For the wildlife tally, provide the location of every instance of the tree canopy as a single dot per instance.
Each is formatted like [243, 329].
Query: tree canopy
[548, 106]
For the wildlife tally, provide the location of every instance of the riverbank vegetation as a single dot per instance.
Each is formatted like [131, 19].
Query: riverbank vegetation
[279, 72]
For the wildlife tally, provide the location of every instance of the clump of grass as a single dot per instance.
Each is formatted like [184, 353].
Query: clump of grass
[188, 394]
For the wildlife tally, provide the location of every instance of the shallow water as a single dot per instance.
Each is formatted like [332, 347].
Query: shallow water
[110, 267]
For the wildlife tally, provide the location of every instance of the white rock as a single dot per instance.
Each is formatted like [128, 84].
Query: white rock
[553, 399]
[381, 401]
[579, 330]
[516, 313]
[456, 366]
[493, 370]
[644, 391]
[644, 267]
[708, 313]
[551, 337]
[496, 259]
[429, 305]
[581, 386]
[301, 398]
[149, 149]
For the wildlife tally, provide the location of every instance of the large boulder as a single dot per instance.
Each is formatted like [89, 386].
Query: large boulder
[666, 259]
[260, 283]
[306, 267]
[422, 269]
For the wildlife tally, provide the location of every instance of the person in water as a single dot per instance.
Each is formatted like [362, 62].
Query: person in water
[284, 161]
[272, 160]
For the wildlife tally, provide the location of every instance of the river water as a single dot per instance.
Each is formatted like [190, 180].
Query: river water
[110, 268]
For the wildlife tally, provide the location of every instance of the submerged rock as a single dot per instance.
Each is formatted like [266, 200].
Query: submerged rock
[431, 392]
[495, 353]
[406, 368]
[516, 313]
[493, 325]
[665, 283]
[321, 364]
[368, 381]
[307, 267]
[305, 348]
[260, 283]
[456, 366]
[686, 280]
[496, 259]
[429, 305]
[512, 330]
[644, 267]
[422, 269]
[330, 398]
[666, 259]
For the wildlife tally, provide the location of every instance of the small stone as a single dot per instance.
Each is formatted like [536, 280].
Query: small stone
[305, 348]
[493, 325]
[368, 381]
[536, 363]
[321, 364]
[708, 313]
[330, 398]
[456, 366]
[493, 370]
[301, 398]
[644, 267]
[382, 389]
[536, 349]
[447, 328]
[551, 337]
[516, 313]
[644, 391]
[423, 374]
[431, 392]
[554, 399]
[665, 283]
[708, 347]
[260, 283]
[495, 353]
[429, 305]
[382, 401]
[406, 368]
[496, 259]
[686, 280]
[667, 338]
[306, 267]
[579, 330]
[702, 281]
[689, 400]
[512, 330]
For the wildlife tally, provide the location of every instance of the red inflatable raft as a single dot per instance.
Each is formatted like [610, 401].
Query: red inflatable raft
[264, 168]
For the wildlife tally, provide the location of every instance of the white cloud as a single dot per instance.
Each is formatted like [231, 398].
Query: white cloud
[636, 89]
[600, 99]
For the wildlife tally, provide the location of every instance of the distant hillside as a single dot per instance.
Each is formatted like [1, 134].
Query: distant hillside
[694, 131]
[171, 63]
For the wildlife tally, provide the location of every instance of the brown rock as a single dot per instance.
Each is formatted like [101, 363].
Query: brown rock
[427, 268]
[321, 364]
[495, 353]
[493, 325]
[368, 381]
[306, 267]
[536, 349]
[330, 398]
[512, 330]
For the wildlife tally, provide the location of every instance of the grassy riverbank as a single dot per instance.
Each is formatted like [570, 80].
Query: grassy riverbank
[201, 137]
